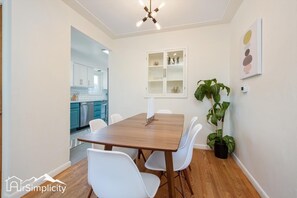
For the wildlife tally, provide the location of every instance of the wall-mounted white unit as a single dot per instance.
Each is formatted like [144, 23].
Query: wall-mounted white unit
[83, 76]
[166, 73]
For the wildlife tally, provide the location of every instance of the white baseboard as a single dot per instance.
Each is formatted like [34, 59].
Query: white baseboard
[254, 182]
[60, 169]
[52, 173]
[201, 146]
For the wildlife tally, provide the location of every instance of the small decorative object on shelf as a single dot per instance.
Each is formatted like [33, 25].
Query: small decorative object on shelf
[168, 60]
[172, 61]
[156, 63]
[175, 89]
[177, 60]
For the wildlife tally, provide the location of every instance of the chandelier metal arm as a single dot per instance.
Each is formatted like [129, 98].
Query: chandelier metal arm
[150, 14]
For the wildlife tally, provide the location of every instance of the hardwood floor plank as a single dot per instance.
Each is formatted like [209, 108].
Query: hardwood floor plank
[211, 178]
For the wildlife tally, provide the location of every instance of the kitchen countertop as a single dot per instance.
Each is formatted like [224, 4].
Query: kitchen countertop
[77, 101]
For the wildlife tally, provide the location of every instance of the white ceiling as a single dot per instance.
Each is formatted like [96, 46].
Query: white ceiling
[118, 17]
[87, 51]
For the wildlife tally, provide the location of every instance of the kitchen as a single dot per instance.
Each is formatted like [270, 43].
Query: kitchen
[88, 89]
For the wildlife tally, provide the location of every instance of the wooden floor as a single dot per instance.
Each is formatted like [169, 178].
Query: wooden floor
[210, 177]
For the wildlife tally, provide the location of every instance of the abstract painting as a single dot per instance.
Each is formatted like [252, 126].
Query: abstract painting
[251, 55]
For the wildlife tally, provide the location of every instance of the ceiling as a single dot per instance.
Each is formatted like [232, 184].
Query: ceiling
[118, 17]
[87, 51]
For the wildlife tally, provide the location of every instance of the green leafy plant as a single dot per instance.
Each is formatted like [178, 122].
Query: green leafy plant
[211, 89]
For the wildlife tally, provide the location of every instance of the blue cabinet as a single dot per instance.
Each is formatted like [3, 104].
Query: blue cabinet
[100, 110]
[74, 115]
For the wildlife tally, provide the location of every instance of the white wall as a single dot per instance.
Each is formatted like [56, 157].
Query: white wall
[37, 84]
[208, 57]
[264, 119]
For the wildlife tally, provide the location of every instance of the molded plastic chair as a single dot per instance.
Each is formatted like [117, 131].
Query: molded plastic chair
[164, 111]
[181, 159]
[99, 124]
[186, 134]
[114, 118]
[113, 174]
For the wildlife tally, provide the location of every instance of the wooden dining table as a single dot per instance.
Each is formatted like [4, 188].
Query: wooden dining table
[163, 134]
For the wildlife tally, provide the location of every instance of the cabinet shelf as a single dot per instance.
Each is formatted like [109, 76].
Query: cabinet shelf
[174, 80]
[156, 66]
[175, 66]
[155, 80]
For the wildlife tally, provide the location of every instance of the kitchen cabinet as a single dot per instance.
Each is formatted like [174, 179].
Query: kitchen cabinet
[83, 76]
[166, 73]
[101, 110]
[74, 115]
[91, 73]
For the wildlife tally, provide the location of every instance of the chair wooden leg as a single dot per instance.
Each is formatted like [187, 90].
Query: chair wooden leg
[161, 174]
[142, 154]
[190, 168]
[181, 183]
[90, 193]
[188, 180]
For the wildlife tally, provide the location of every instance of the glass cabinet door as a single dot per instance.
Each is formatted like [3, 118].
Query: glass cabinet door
[175, 72]
[155, 73]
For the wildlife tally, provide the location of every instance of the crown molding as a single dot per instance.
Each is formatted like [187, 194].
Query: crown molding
[80, 9]
[230, 11]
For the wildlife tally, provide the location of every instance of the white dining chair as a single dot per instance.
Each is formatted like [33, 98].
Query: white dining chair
[164, 111]
[186, 134]
[116, 117]
[113, 174]
[97, 124]
[181, 159]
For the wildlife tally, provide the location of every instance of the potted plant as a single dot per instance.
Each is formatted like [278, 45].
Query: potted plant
[211, 89]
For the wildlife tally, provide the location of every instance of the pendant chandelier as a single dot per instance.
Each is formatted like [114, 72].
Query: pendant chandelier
[150, 14]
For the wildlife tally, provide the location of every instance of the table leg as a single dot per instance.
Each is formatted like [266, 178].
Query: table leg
[170, 173]
[108, 147]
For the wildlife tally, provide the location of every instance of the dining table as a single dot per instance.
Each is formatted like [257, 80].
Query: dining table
[162, 134]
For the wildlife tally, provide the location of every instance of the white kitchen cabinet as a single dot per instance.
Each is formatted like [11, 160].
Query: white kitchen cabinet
[91, 73]
[83, 76]
[166, 74]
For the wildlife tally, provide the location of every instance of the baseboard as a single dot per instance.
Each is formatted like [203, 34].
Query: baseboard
[254, 182]
[201, 146]
[60, 169]
[52, 173]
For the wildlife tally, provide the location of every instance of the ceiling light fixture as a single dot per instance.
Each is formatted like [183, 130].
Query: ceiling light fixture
[106, 51]
[150, 14]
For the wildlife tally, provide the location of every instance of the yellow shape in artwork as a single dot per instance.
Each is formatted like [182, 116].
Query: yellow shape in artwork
[247, 37]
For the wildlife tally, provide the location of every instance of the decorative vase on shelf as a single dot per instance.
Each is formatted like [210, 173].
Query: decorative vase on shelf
[172, 61]
[168, 60]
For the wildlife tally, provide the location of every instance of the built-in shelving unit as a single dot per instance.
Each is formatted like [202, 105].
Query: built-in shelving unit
[166, 73]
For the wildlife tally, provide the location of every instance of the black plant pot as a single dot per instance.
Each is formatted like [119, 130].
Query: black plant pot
[221, 150]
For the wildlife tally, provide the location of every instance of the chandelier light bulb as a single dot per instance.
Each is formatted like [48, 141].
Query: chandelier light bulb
[139, 23]
[141, 3]
[158, 26]
[161, 5]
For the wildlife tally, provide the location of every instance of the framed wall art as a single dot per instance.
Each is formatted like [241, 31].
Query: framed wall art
[251, 51]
